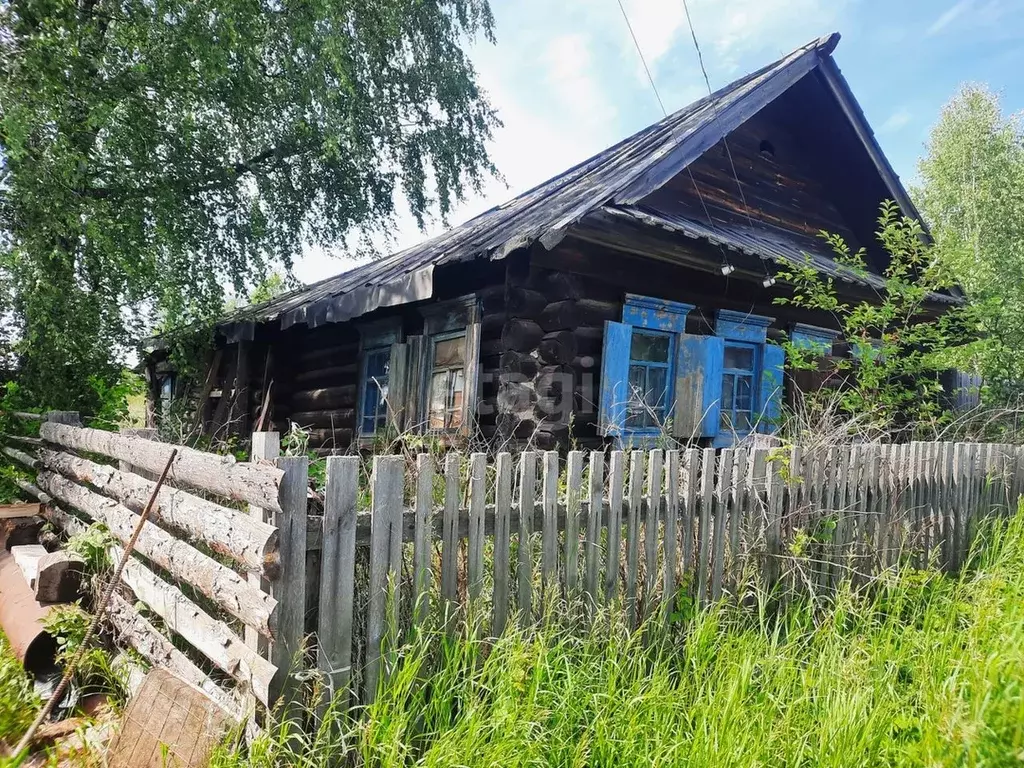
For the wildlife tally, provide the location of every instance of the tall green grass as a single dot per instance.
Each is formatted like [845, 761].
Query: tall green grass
[922, 670]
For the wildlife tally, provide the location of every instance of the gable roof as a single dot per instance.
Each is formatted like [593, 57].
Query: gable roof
[612, 182]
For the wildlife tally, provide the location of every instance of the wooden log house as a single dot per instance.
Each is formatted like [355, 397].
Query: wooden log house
[630, 295]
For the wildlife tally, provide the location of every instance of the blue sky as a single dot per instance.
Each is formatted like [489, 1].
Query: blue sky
[567, 81]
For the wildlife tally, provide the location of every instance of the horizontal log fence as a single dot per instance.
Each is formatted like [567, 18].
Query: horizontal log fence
[220, 575]
[449, 541]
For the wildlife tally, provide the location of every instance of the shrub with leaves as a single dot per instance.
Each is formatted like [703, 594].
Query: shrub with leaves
[897, 338]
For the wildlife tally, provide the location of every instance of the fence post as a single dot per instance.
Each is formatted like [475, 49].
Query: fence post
[337, 578]
[290, 586]
[385, 561]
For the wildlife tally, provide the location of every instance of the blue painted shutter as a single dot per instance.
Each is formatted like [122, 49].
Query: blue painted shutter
[698, 386]
[614, 378]
[772, 373]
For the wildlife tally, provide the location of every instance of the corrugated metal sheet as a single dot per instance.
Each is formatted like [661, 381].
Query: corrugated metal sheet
[546, 211]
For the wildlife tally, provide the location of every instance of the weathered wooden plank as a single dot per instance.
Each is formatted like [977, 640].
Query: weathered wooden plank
[385, 563]
[636, 495]
[477, 503]
[257, 484]
[756, 514]
[210, 637]
[450, 536]
[422, 537]
[652, 532]
[737, 505]
[337, 577]
[955, 531]
[549, 542]
[616, 483]
[131, 628]
[707, 494]
[573, 505]
[525, 551]
[249, 541]
[502, 541]
[690, 513]
[723, 488]
[218, 582]
[592, 538]
[671, 538]
[290, 587]
[265, 446]
[775, 490]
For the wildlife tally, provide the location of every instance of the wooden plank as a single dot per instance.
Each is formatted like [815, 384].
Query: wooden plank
[549, 534]
[290, 587]
[13, 511]
[723, 489]
[652, 532]
[228, 589]
[450, 537]
[775, 490]
[257, 484]
[243, 536]
[525, 551]
[385, 563]
[737, 503]
[592, 539]
[636, 495]
[477, 503]
[671, 538]
[616, 484]
[690, 512]
[337, 579]
[756, 514]
[706, 500]
[212, 638]
[573, 499]
[955, 530]
[502, 541]
[423, 537]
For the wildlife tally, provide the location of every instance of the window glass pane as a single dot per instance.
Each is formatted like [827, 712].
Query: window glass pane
[742, 421]
[445, 400]
[450, 353]
[456, 384]
[739, 358]
[657, 394]
[377, 363]
[637, 387]
[744, 388]
[649, 347]
[438, 395]
[728, 384]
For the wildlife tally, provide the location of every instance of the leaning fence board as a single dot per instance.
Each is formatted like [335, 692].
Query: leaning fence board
[707, 491]
[250, 542]
[502, 541]
[257, 484]
[211, 637]
[573, 504]
[524, 567]
[218, 582]
[688, 522]
[337, 576]
[721, 507]
[737, 504]
[616, 474]
[592, 538]
[385, 565]
[422, 529]
[477, 503]
[636, 495]
[132, 628]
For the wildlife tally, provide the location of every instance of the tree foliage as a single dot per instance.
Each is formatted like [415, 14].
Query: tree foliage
[972, 195]
[890, 381]
[154, 151]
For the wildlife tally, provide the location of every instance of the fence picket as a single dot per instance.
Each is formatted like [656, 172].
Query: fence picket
[502, 540]
[671, 537]
[549, 543]
[450, 537]
[422, 528]
[707, 492]
[573, 497]
[616, 475]
[636, 495]
[477, 504]
[385, 564]
[723, 489]
[525, 550]
[655, 491]
[737, 504]
[688, 524]
[592, 540]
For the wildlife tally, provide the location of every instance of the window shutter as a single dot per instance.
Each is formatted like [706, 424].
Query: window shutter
[614, 378]
[471, 394]
[417, 350]
[698, 386]
[772, 371]
[397, 386]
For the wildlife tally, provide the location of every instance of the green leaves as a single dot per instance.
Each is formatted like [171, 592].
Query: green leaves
[155, 152]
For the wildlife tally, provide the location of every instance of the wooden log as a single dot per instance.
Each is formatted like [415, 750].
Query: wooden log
[521, 335]
[334, 375]
[492, 347]
[516, 397]
[324, 419]
[218, 582]
[21, 457]
[518, 364]
[134, 630]
[557, 286]
[516, 425]
[255, 483]
[340, 437]
[570, 314]
[557, 347]
[59, 577]
[214, 639]
[335, 355]
[524, 302]
[250, 542]
[325, 398]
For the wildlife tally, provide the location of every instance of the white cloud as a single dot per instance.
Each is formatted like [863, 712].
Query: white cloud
[896, 121]
[949, 16]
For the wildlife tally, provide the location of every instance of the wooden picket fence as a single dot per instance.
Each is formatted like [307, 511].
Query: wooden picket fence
[441, 544]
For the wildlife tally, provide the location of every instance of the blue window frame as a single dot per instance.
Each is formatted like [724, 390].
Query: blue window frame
[651, 355]
[739, 388]
[374, 409]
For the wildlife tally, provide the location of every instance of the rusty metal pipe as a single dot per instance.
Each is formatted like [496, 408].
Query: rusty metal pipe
[21, 617]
